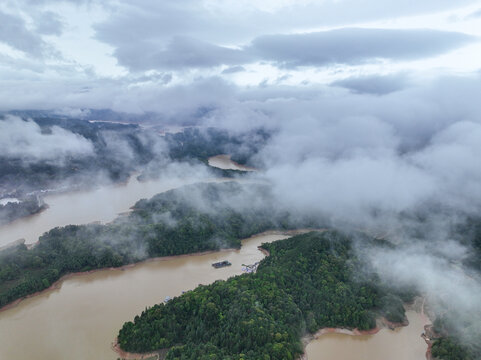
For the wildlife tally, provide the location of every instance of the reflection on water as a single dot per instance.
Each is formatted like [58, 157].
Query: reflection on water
[401, 344]
[83, 207]
[80, 320]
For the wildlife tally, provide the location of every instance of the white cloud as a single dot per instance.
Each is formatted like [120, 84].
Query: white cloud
[26, 141]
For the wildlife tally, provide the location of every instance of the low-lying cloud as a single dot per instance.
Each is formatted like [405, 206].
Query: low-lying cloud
[25, 140]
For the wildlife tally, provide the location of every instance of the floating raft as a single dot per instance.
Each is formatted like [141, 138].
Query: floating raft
[221, 264]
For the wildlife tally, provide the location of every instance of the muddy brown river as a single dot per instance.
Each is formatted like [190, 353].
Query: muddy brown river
[401, 344]
[79, 320]
[82, 207]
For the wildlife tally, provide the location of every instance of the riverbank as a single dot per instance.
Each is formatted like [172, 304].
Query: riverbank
[57, 284]
[417, 307]
[381, 323]
[124, 355]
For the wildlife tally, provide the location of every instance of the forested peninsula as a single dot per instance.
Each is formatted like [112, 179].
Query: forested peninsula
[308, 282]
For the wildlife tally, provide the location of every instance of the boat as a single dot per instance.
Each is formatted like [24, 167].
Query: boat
[221, 264]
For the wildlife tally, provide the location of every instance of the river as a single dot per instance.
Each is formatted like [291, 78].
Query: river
[82, 207]
[404, 343]
[80, 319]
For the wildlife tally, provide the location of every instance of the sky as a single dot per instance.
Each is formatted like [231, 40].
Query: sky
[86, 54]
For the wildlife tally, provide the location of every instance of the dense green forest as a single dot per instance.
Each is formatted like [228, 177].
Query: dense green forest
[448, 348]
[187, 220]
[308, 282]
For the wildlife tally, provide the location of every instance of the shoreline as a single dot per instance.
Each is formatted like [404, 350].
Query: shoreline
[124, 355]
[160, 354]
[57, 284]
[381, 323]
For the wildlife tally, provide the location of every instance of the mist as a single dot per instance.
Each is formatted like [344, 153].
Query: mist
[25, 139]
[403, 166]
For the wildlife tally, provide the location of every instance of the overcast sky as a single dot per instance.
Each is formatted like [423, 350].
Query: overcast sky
[81, 53]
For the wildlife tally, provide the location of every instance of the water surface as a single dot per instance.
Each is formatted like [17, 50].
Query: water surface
[79, 320]
[404, 343]
[82, 207]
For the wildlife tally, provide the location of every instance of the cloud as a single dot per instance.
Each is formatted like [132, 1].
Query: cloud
[374, 84]
[14, 32]
[231, 21]
[172, 35]
[233, 69]
[48, 23]
[355, 46]
[180, 52]
[474, 15]
[350, 155]
[26, 140]
[341, 46]
[449, 291]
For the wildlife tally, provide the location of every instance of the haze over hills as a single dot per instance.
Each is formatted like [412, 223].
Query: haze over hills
[362, 117]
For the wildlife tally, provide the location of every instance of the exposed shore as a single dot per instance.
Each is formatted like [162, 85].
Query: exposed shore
[124, 355]
[381, 323]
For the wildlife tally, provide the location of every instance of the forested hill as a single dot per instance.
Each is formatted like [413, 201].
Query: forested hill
[305, 284]
[186, 220]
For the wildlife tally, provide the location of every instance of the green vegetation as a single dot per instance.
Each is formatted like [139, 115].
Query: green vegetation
[450, 349]
[305, 284]
[187, 220]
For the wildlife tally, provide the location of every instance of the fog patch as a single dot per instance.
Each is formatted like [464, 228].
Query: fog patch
[24, 139]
